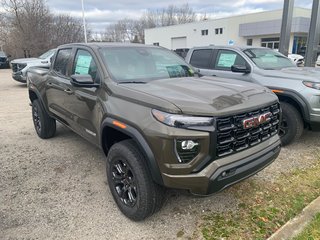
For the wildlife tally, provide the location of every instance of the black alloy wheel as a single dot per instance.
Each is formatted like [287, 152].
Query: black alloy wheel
[124, 182]
[36, 119]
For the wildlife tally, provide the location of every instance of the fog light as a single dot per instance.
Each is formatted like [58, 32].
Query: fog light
[188, 144]
[187, 150]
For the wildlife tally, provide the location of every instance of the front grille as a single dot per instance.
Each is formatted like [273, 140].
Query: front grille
[232, 137]
[14, 67]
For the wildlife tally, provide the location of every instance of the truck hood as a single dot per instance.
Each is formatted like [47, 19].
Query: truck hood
[295, 73]
[208, 96]
[26, 60]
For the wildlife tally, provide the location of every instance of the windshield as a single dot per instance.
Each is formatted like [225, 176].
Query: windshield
[268, 59]
[143, 64]
[47, 54]
[2, 54]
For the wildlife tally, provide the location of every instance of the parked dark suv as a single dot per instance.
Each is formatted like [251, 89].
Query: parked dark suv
[4, 60]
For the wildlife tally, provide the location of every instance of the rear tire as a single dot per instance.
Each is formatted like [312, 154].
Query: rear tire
[44, 125]
[130, 182]
[291, 127]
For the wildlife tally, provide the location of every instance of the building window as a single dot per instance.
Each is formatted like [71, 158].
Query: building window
[204, 32]
[156, 44]
[219, 31]
[272, 43]
[249, 42]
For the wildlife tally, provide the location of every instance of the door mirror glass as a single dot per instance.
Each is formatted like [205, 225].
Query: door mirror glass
[240, 69]
[83, 80]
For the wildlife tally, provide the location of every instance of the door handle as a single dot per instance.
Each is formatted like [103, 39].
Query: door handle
[68, 91]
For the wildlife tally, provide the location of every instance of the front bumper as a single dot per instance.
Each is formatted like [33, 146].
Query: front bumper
[18, 76]
[223, 173]
[315, 122]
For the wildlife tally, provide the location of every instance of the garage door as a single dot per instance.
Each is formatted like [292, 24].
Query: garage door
[178, 42]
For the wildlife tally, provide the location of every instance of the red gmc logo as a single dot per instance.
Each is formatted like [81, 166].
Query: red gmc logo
[256, 121]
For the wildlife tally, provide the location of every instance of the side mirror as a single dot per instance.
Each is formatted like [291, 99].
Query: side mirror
[197, 72]
[240, 69]
[84, 80]
[9, 56]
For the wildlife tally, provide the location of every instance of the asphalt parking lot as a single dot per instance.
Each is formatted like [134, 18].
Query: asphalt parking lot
[56, 188]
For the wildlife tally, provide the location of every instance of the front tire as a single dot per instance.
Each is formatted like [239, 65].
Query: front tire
[44, 125]
[130, 182]
[291, 127]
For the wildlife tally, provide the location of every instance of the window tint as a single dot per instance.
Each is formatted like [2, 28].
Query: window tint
[268, 59]
[62, 60]
[85, 64]
[201, 58]
[225, 59]
[143, 64]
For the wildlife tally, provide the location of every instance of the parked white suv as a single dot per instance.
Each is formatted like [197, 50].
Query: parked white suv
[21, 66]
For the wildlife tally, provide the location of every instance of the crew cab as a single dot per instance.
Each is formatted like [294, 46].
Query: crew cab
[159, 125]
[298, 88]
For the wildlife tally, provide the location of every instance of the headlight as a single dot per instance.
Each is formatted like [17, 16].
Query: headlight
[312, 84]
[176, 120]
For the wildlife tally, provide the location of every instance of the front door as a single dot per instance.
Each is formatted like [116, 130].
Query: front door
[223, 62]
[84, 105]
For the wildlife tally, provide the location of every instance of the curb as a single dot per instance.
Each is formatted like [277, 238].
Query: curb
[297, 224]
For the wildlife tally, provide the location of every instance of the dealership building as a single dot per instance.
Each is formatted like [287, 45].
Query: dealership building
[255, 29]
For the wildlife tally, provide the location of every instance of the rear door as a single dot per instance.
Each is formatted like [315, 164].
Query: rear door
[201, 59]
[58, 87]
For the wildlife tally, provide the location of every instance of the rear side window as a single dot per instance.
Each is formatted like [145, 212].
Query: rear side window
[62, 60]
[201, 58]
[226, 58]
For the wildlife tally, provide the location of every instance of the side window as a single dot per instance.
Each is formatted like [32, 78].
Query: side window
[62, 60]
[85, 64]
[226, 58]
[201, 58]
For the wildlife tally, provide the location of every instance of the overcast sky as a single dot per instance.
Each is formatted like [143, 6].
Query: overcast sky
[99, 13]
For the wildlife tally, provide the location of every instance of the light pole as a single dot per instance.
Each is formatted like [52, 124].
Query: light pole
[84, 23]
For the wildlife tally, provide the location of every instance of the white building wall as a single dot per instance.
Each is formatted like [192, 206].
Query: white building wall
[230, 25]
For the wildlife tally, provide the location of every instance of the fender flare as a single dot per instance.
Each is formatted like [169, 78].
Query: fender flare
[142, 144]
[296, 97]
[37, 93]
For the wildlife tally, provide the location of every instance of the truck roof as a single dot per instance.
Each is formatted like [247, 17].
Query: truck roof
[107, 44]
[241, 48]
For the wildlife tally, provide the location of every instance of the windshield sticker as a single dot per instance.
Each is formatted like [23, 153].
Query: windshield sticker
[226, 60]
[177, 71]
[83, 64]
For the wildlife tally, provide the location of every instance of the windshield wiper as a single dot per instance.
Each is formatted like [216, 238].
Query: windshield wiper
[139, 82]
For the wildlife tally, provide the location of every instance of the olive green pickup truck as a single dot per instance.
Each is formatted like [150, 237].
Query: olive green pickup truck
[159, 125]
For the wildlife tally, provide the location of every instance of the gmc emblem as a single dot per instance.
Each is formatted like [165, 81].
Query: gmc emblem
[257, 120]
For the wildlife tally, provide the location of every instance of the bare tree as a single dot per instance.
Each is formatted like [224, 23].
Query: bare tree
[133, 30]
[33, 29]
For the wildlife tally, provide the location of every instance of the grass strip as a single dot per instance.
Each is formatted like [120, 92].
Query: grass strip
[312, 231]
[264, 207]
